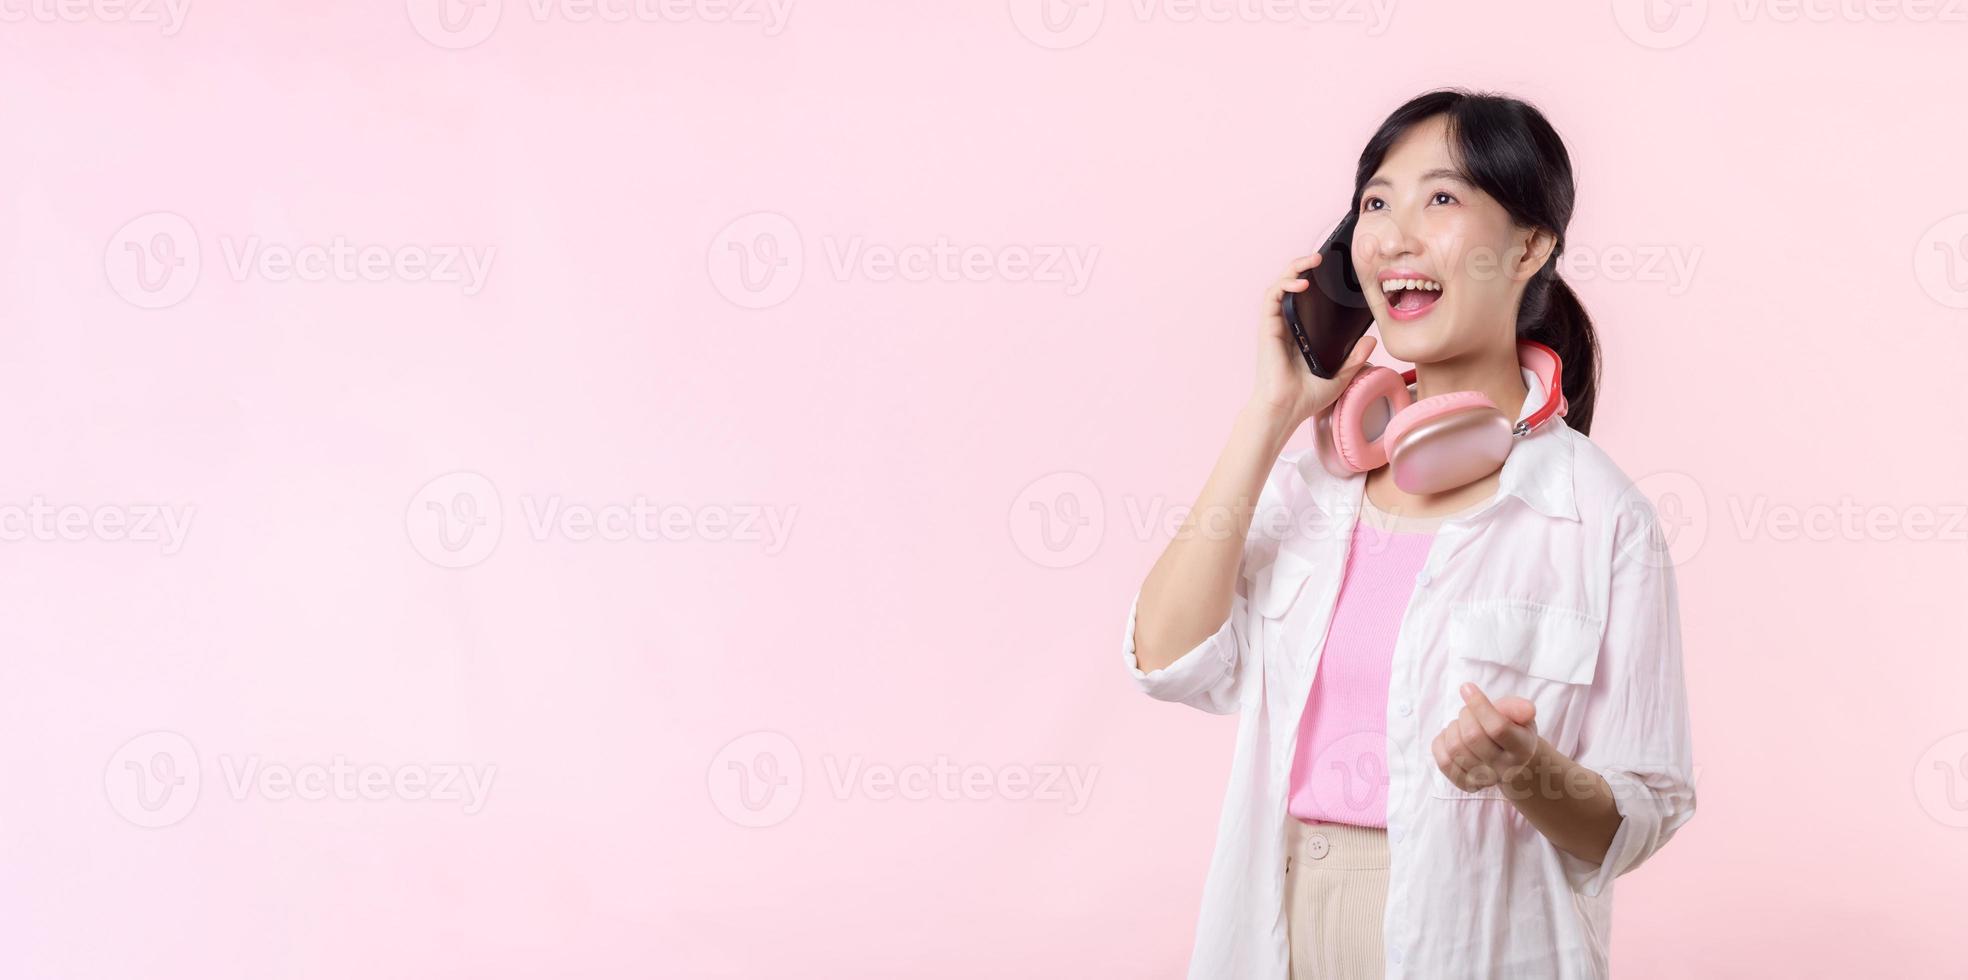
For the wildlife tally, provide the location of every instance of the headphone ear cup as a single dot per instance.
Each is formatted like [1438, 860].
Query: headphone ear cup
[1359, 417]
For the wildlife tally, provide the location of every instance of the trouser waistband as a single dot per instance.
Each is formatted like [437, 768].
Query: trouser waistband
[1317, 844]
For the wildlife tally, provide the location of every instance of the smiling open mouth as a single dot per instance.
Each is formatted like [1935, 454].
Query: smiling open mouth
[1410, 296]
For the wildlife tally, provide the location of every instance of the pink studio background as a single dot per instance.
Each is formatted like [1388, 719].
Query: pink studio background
[625, 342]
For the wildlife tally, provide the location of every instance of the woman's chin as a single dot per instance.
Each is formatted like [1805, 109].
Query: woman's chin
[1415, 342]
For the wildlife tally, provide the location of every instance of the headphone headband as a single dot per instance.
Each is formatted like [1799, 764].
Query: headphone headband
[1550, 371]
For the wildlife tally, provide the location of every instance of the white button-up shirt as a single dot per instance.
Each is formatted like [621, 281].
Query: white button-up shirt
[1559, 590]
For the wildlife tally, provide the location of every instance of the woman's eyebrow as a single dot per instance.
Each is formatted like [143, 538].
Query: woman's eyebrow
[1438, 173]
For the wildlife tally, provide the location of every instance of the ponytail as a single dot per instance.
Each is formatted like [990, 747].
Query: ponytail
[1552, 315]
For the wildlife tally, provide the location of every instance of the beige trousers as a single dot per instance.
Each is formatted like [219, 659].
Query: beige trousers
[1335, 896]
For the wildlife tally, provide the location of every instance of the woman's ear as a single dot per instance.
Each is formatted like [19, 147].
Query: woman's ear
[1536, 245]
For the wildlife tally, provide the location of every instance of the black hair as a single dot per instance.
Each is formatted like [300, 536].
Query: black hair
[1508, 149]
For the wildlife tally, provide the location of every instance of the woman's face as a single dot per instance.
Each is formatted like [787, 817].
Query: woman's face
[1420, 220]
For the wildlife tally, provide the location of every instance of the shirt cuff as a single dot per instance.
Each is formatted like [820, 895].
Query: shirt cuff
[1198, 672]
[1643, 828]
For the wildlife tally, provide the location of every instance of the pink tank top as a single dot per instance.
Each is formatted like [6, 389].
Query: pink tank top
[1339, 772]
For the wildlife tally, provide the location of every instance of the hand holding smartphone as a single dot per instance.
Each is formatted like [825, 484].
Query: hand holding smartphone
[1328, 318]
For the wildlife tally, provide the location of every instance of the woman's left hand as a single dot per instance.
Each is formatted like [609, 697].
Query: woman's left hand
[1487, 743]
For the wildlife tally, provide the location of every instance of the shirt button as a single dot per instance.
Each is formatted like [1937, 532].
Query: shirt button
[1422, 579]
[1394, 834]
[1403, 708]
[1395, 953]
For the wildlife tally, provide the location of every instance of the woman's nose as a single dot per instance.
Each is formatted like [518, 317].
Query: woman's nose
[1394, 239]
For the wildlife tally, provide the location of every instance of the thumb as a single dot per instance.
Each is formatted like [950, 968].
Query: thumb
[1362, 349]
[1519, 710]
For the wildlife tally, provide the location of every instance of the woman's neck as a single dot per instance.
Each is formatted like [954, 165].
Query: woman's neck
[1494, 372]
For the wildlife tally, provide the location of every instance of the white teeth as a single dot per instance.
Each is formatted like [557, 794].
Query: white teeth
[1395, 285]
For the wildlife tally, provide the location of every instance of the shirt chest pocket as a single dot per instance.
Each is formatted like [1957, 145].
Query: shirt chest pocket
[1278, 585]
[1543, 653]
[1291, 595]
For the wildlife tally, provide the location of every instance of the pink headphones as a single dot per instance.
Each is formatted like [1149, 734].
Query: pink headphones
[1435, 444]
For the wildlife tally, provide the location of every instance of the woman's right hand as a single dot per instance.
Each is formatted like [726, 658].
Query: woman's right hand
[1285, 387]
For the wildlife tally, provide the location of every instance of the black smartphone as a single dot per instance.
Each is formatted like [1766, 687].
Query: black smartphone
[1329, 318]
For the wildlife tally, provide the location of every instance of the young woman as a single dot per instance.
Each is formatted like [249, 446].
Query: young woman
[1460, 684]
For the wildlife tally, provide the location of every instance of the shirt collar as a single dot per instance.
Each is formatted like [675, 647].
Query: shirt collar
[1538, 470]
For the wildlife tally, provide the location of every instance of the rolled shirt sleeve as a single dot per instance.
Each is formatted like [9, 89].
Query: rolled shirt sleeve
[1204, 677]
[1210, 674]
[1636, 731]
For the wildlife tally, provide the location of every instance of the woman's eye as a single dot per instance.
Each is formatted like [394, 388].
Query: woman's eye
[1368, 204]
[1442, 197]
